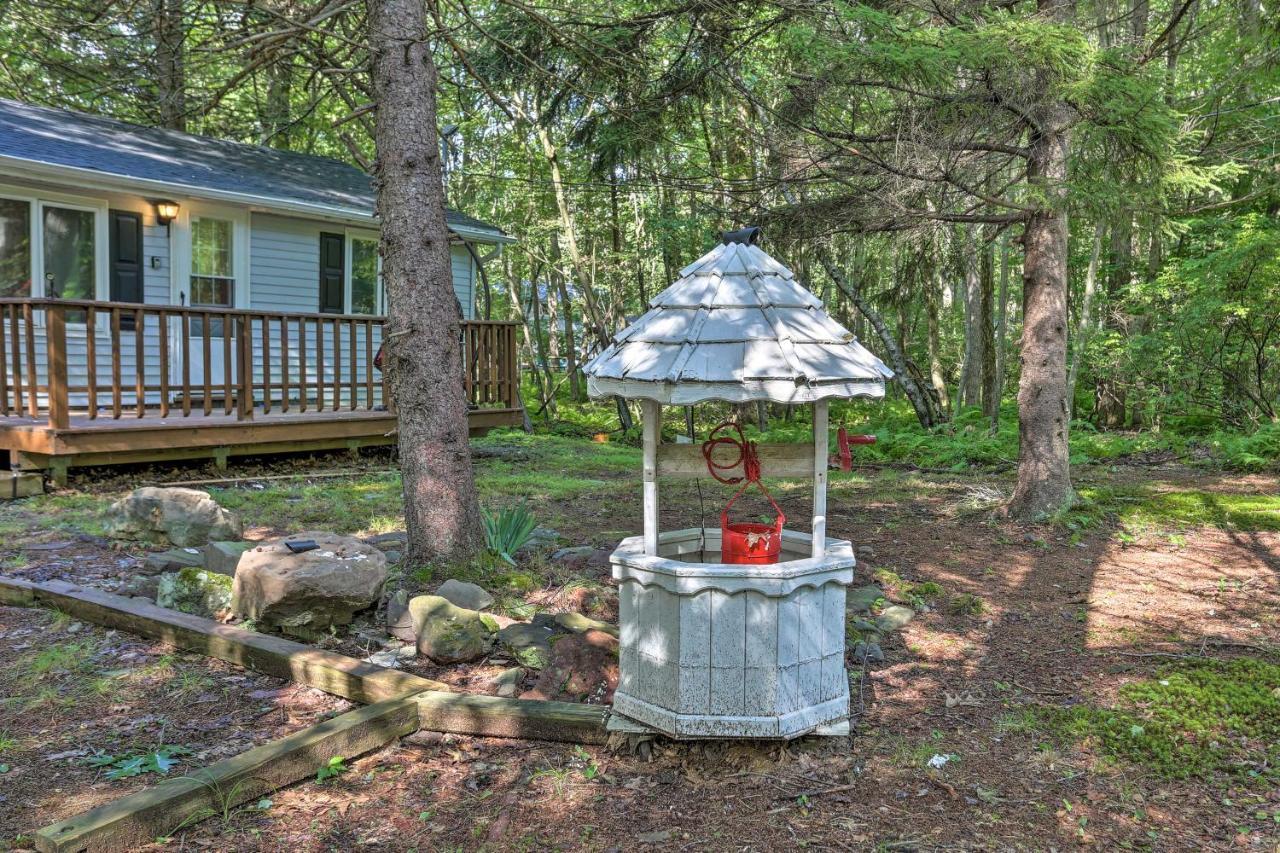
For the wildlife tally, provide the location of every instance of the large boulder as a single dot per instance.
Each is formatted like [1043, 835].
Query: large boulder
[196, 591]
[583, 668]
[306, 593]
[447, 633]
[183, 517]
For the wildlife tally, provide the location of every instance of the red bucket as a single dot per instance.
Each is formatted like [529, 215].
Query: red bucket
[750, 542]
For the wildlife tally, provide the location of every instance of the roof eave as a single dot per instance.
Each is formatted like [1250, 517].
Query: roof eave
[95, 179]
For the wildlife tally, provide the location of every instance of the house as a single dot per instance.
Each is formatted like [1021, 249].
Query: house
[165, 295]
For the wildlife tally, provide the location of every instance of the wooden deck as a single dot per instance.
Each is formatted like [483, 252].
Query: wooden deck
[278, 383]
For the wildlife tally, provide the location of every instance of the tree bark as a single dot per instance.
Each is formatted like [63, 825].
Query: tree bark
[1084, 330]
[423, 332]
[936, 374]
[1044, 474]
[987, 329]
[971, 368]
[1002, 327]
[171, 77]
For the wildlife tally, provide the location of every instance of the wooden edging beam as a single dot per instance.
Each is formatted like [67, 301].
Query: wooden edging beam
[138, 819]
[493, 716]
[328, 671]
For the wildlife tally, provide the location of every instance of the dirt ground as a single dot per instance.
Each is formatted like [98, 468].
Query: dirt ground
[70, 691]
[1070, 613]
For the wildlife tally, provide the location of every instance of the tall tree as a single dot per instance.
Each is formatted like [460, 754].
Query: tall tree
[423, 354]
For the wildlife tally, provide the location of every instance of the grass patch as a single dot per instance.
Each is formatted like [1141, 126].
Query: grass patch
[1143, 509]
[1194, 719]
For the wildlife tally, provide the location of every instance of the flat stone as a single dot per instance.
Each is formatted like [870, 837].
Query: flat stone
[195, 591]
[140, 586]
[397, 540]
[507, 683]
[861, 599]
[447, 633]
[868, 653]
[399, 620]
[183, 517]
[173, 560]
[529, 644]
[390, 658]
[394, 558]
[223, 557]
[311, 591]
[894, 618]
[580, 624]
[465, 595]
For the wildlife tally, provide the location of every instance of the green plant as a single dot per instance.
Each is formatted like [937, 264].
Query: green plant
[332, 769]
[159, 761]
[509, 529]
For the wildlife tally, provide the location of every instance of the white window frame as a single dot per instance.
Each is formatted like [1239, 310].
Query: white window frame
[37, 201]
[348, 252]
[180, 249]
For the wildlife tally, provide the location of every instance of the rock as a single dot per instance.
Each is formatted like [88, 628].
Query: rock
[390, 658]
[393, 557]
[447, 633]
[395, 541]
[507, 683]
[579, 624]
[894, 618]
[860, 600]
[541, 539]
[183, 517]
[864, 626]
[195, 591]
[222, 557]
[140, 586]
[583, 668]
[529, 644]
[583, 558]
[465, 595]
[399, 620]
[308, 592]
[867, 653]
[866, 551]
[173, 560]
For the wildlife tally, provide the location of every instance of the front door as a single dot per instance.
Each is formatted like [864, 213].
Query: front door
[126, 260]
[332, 273]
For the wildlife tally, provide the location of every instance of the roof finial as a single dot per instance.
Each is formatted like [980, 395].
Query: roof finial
[749, 235]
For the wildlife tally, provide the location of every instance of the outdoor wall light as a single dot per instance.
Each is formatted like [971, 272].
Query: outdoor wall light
[166, 211]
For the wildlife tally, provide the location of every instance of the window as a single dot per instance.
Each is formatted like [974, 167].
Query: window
[15, 248]
[69, 253]
[364, 276]
[213, 281]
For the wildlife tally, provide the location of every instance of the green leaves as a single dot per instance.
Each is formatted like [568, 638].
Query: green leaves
[505, 532]
[159, 761]
[332, 769]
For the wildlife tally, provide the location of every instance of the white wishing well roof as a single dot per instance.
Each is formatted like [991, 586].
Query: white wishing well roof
[736, 326]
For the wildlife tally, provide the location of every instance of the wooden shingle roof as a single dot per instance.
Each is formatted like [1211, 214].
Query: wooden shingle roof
[736, 326]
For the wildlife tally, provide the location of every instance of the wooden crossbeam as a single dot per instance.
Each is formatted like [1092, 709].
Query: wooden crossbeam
[776, 460]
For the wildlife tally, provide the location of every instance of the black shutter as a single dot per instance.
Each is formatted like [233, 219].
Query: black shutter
[126, 260]
[331, 273]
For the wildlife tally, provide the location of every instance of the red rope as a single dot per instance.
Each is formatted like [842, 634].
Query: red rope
[746, 455]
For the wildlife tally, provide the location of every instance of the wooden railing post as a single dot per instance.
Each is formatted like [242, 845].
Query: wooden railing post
[245, 409]
[56, 343]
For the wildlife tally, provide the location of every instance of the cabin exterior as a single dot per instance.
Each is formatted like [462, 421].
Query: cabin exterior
[164, 295]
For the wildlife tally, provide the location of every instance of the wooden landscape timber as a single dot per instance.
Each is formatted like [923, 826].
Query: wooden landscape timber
[328, 671]
[401, 704]
[140, 818]
[776, 460]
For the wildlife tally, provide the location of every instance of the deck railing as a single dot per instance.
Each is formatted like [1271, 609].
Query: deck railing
[62, 357]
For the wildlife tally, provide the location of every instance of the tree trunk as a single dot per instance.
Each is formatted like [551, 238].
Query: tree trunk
[171, 76]
[423, 332]
[1044, 474]
[936, 375]
[971, 368]
[987, 328]
[1002, 327]
[1085, 328]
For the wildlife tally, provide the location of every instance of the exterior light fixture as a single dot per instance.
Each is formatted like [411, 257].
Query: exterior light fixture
[166, 211]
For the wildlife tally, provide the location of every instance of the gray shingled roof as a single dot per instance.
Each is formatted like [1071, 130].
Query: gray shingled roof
[122, 150]
[736, 326]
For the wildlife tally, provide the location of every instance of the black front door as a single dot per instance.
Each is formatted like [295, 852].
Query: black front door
[331, 274]
[126, 260]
